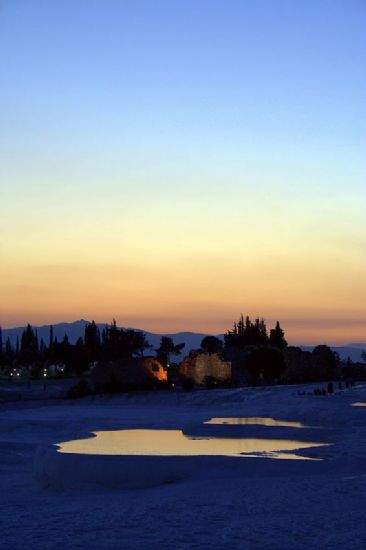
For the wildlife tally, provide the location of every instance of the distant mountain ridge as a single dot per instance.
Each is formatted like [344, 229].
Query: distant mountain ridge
[192, 340]
[76, 329]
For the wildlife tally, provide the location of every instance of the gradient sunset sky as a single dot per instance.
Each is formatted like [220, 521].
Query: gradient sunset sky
[175, 163]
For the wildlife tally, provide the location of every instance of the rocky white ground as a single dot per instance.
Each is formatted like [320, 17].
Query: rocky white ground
[221, 502]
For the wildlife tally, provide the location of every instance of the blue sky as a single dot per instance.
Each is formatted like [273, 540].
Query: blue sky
[154, 120]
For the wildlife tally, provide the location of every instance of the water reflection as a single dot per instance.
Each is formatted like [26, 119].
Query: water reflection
[359, 404]
[175, 443]
[254, 420]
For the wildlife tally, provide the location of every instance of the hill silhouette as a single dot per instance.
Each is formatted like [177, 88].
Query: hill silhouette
[192, 340]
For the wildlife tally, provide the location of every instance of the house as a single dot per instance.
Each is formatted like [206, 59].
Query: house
[132, 373]
[200, 366]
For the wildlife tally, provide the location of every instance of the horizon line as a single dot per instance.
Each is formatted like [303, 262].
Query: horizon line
[5, 328]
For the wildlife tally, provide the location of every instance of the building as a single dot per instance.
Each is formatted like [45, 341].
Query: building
[199, 366]
[134, 373]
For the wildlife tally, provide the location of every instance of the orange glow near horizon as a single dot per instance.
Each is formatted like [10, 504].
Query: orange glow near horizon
[192, 295]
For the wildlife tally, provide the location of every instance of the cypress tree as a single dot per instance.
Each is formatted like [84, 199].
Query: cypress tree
[277, 337]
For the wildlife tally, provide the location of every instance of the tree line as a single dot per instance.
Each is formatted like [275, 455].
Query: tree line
[257, 355]
[109, 344]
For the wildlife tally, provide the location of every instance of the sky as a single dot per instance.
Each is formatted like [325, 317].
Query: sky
[174, 164]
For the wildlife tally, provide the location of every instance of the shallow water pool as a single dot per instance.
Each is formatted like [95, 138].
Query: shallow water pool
[259, 421]
[143, 442]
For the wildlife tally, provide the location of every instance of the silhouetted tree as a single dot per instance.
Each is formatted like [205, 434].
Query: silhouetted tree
[247, 333]
[119, 343]
[166, 349]
[9, 352]
[277, 337]
[92, 340]
[212, 344]
[134, 343]
[76, 357]
[265, 364]
[299, 365]
[29, 346]
[326, 362]
[42, 350]
[111, 341]
[50, 342]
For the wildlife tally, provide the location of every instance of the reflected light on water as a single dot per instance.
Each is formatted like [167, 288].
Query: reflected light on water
[175, 443]
[260, 421]
[359, 404]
